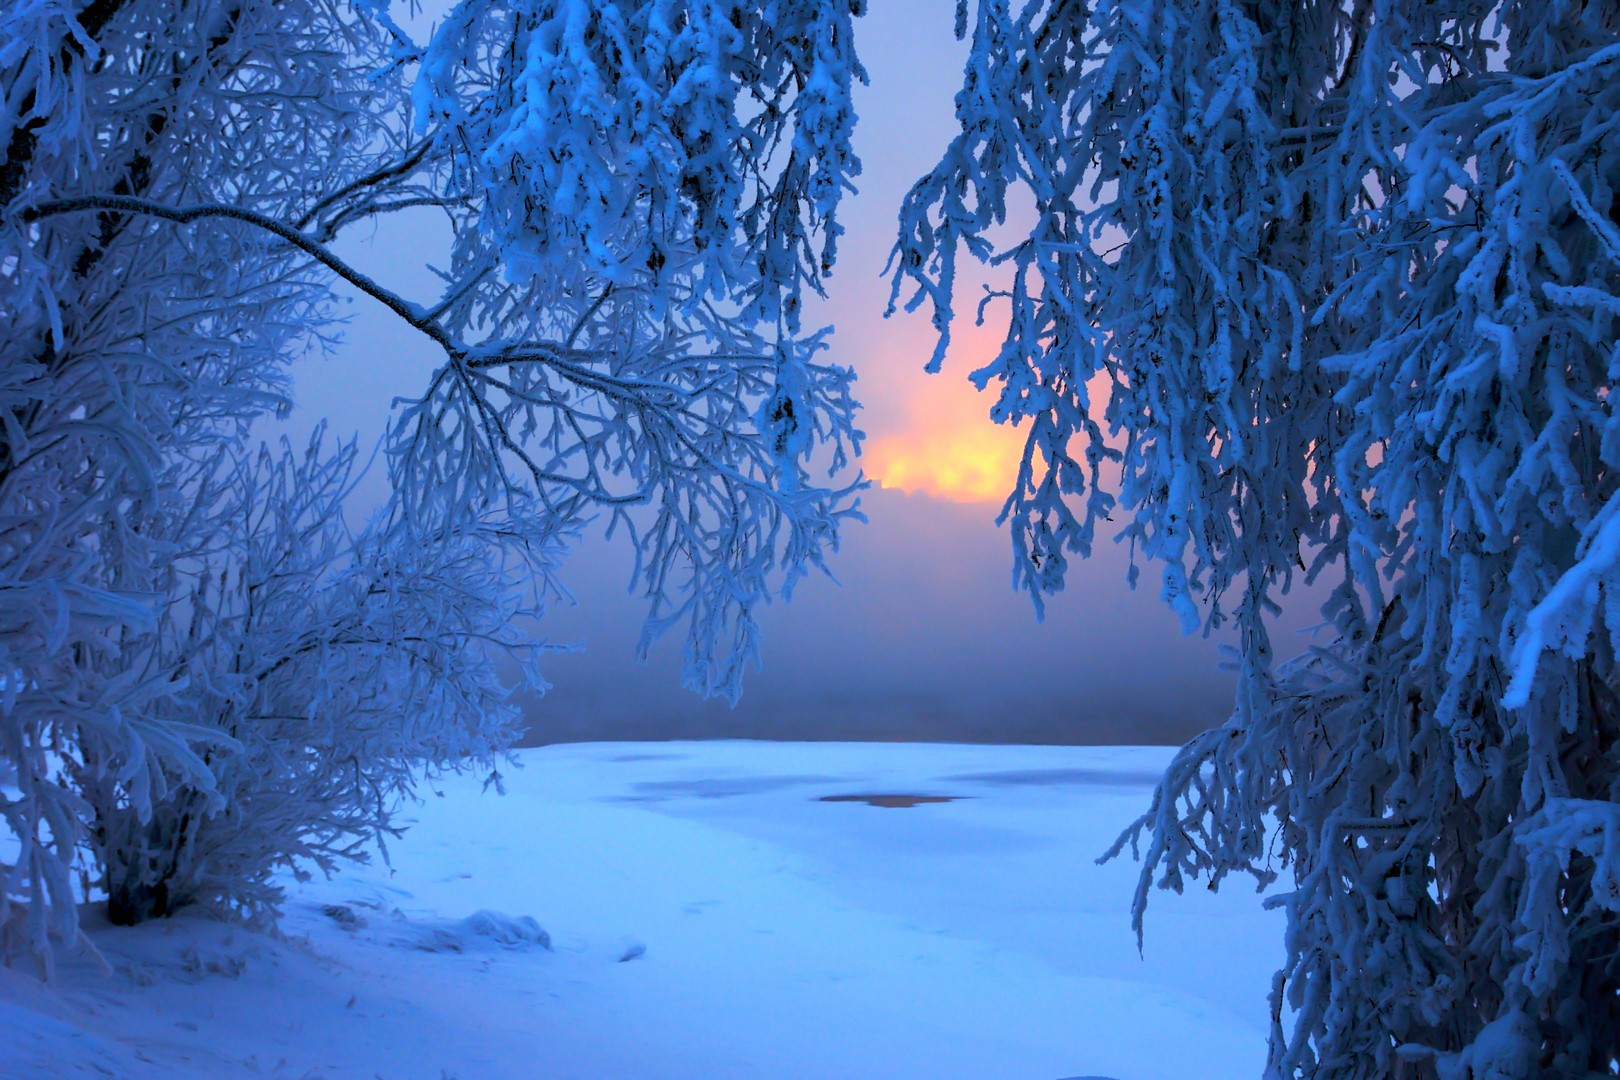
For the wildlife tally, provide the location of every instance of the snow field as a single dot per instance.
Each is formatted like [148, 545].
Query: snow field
[693, 910]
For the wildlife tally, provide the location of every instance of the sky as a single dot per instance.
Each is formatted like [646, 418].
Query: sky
[922, 638]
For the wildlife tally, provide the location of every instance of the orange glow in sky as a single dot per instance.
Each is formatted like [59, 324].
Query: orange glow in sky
[948, 448]
[936, 437]
[972, 465]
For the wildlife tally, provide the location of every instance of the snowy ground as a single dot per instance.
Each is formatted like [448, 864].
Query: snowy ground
[709, 917]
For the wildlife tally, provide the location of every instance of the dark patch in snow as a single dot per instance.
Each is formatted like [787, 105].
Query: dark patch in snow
[477, 931]
[1057, 777]
[719, 788]
[649, 757]
[345, 916]
[892, 802]
[633, 950]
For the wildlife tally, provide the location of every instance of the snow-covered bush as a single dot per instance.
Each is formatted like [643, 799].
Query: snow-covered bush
[172, 176]
[322, 670]
[1351, 274]
[124, 350]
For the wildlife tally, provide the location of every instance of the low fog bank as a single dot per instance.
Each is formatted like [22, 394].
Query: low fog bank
[924, 641]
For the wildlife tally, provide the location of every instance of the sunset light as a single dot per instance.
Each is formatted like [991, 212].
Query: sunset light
[959, 460]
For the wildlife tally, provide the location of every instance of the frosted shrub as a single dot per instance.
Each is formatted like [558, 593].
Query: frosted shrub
[130, 351]
[323, 669]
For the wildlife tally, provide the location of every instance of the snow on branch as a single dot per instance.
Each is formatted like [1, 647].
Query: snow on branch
[1348, 278]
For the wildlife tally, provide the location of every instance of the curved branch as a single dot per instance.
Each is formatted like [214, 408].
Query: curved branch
[185, 215]
[571, 361]
[411, 160]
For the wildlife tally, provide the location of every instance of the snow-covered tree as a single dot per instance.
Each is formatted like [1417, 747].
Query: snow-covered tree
[639, 194]
[647, 179]
[1350, 274]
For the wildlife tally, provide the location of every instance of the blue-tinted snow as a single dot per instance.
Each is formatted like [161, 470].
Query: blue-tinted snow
[774, 935]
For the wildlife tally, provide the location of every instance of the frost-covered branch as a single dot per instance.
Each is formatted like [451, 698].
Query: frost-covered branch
[316, 250]
[1349, 277]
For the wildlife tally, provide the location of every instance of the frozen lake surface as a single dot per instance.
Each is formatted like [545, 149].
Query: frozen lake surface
[703, 910]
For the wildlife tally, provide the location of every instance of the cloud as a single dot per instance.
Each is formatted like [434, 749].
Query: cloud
[948, 448]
